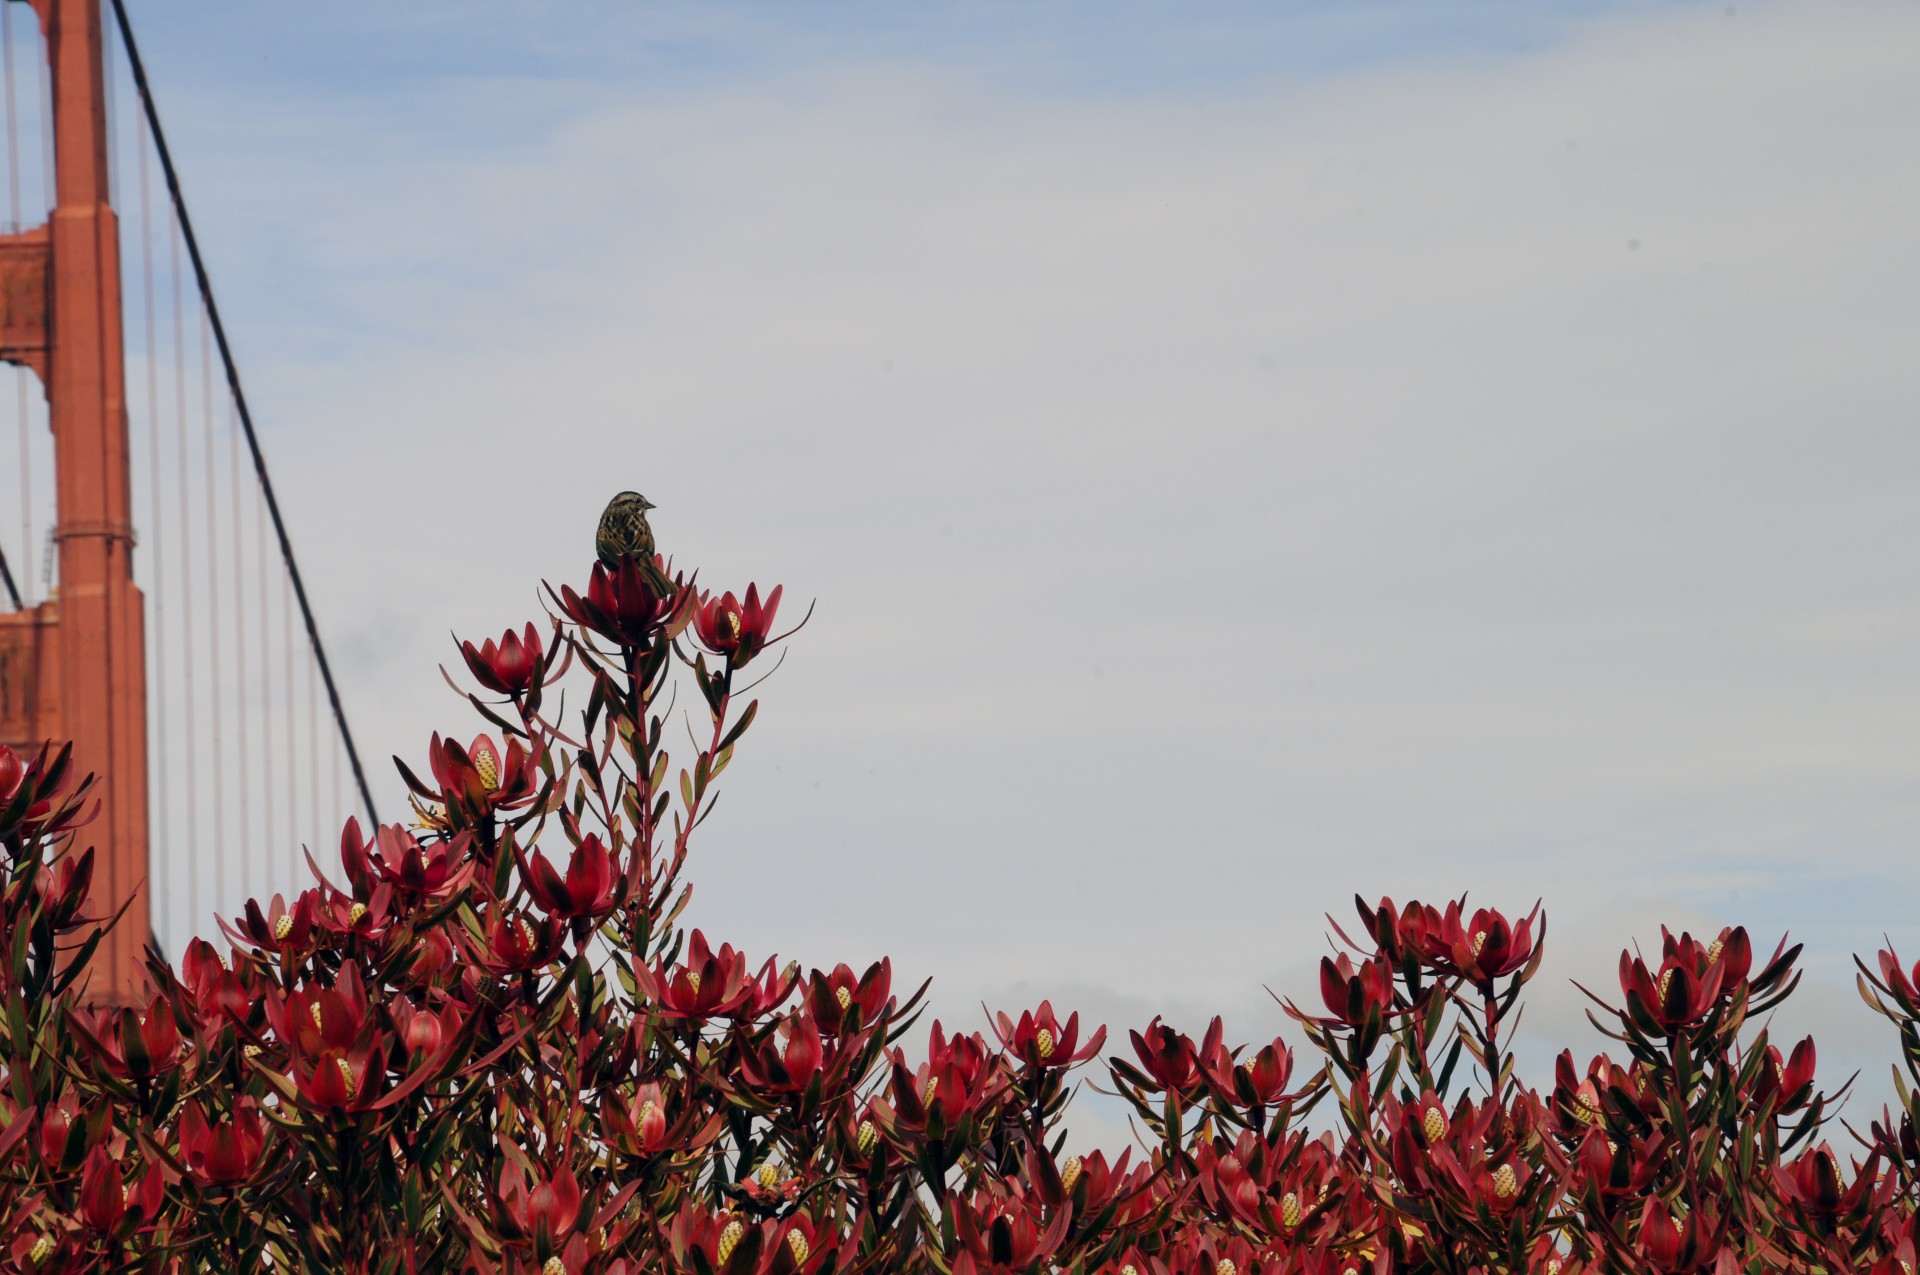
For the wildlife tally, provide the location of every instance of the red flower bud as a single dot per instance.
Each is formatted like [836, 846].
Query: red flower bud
[221, 1154]
[510, 668]
[1167, 1056]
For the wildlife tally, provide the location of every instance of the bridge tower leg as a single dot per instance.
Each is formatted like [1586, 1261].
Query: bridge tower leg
[60, 314]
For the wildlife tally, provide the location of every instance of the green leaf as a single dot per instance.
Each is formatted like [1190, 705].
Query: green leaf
[740, 727]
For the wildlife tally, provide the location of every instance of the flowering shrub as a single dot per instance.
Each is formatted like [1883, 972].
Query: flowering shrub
[484, 1044]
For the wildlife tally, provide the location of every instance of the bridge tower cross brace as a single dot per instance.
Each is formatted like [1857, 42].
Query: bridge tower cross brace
[74, 667]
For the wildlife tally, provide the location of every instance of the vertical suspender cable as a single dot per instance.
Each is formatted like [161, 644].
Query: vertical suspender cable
[339, 806]
[13, 121]
[313, 757]
[239, 645]
[158, 595]
[215, 743]
[190, 753]
[266, 673]
[293, 783]
[19, 373]
[107, 78]
[46, 128]
[239, 397]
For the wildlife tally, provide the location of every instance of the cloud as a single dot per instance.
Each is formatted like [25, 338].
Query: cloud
[1483, 469]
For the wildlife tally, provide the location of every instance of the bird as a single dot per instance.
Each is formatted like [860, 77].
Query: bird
[624, 533]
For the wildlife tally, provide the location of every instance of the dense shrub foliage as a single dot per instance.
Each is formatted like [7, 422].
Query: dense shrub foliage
[483, 1043]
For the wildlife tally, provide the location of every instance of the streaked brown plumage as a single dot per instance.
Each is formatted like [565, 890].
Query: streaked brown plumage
[624, 532]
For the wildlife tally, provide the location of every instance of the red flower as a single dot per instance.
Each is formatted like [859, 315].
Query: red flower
[13, 773]
[1694, 978]
[1357, 998]
[1676, 1249]
[1259, 1083]
[1905, 988]
[1677, 999]
[1040, 1040]
[1429, 1117]
[395, 856]
[313, 1020]
[1169, 1058]
[639, 1127]
[341, 1080]
[516, 944]
[29, 808]
[63, 1135]
[343, 914]
[105, 1201]
[426, 1035]
[546, 1213]
[510, 668]
[726, 1242]
[843, 1003]
[1488, 947]
[1007, 1233]
[133, 1043]
[282, 929]
[788, 1067]
[1812, 1184]
[768, 990]
[476, 780]
[1088, 1182]
[66, 892]
[588, 891]
[802, 1246]
[1415, 932]
[433, 959]
[713, 984]
[621, 608]
[737, 630]
[103, 1192]
[955, 1082]
[221, 1154]
[1777, 1089]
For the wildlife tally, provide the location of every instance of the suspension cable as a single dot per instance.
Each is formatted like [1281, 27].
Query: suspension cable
[13, 122]
[19, 373]
[47, 193]
[286, 668]
[313, 758]
[214, 715]
[239, 397]
[191, 752]
[6, 577]
[266, 669]
[239, 630]
[158, 594]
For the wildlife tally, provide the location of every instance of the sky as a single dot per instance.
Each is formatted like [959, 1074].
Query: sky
[1240, 455]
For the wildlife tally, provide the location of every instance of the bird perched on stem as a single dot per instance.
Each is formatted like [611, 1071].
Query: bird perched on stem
[624, 533]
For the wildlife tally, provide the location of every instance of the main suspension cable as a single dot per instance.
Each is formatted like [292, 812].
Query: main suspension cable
[239, 396]
[6, 576]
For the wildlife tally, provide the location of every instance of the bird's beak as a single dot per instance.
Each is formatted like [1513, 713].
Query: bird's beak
[647, 504]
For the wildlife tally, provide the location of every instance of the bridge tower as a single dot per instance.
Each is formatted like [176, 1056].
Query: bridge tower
[74, 667]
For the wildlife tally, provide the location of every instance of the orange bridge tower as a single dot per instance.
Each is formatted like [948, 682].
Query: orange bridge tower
[74, 667]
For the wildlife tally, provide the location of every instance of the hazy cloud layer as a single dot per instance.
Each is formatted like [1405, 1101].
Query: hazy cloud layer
[1490, 465]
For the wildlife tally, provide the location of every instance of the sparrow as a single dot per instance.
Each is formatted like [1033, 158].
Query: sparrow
[624, 533]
